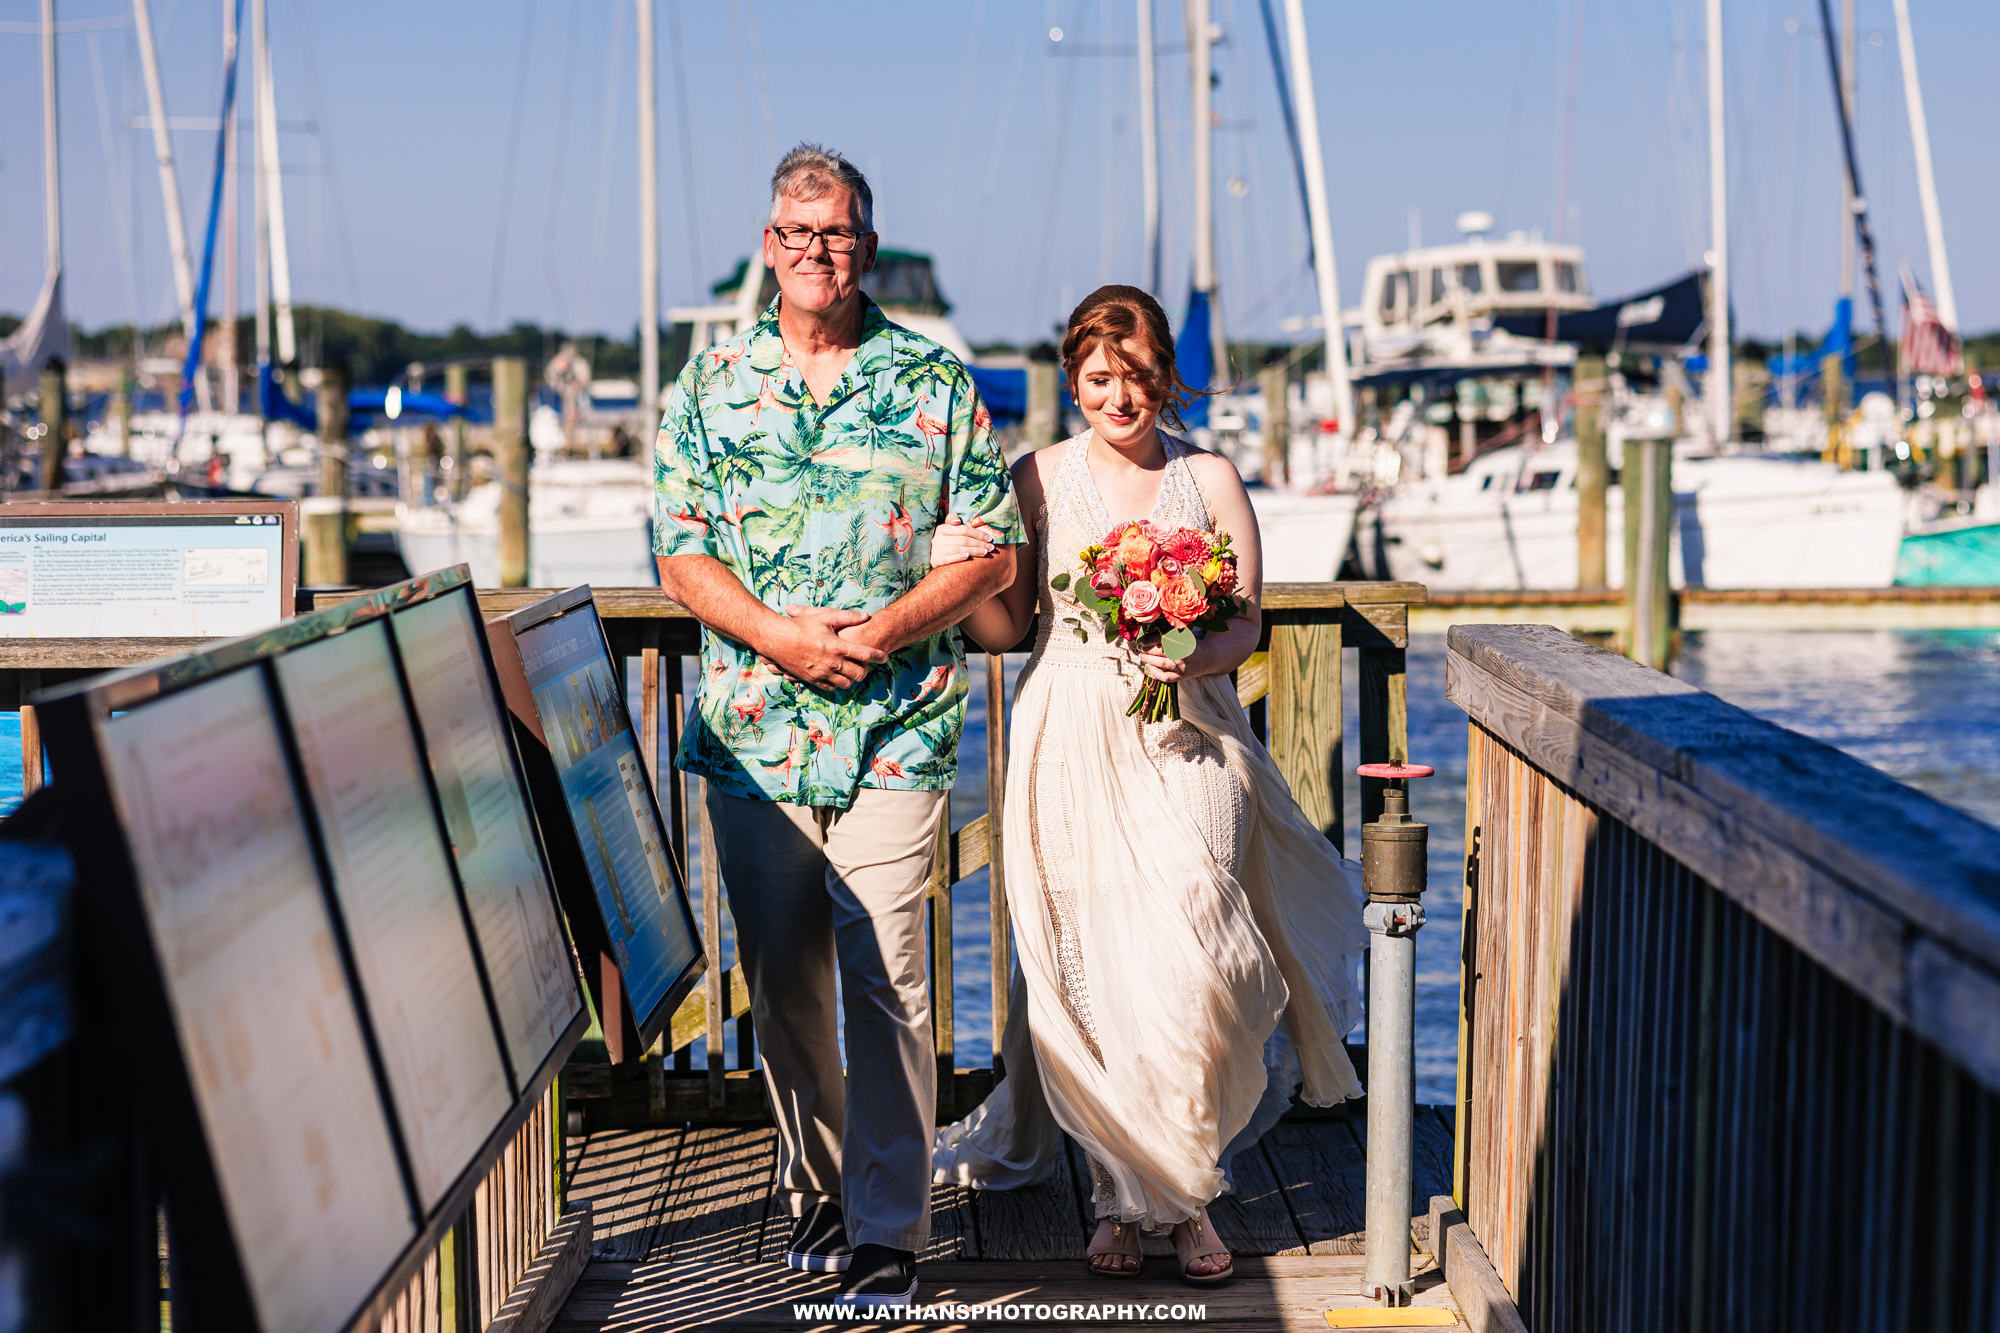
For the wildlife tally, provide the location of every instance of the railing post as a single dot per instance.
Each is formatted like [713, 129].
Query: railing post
[1385, 720]
[1305, 715]
[942, 1033]
[996, 874]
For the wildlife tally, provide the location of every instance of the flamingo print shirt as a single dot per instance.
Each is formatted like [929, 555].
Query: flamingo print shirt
[826, 504]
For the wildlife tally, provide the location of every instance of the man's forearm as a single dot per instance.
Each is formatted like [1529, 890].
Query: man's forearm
[941, 598]
[716, 597]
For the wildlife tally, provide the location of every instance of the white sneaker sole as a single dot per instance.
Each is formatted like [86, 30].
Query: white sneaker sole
[817, 1263]
[867, 1300]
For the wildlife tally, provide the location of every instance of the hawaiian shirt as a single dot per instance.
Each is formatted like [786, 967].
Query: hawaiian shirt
[828, 505]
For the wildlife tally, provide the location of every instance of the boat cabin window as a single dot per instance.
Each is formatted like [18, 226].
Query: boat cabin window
[1396, 292]
[1437, 286]
[1469, 279]
[1522, 275]
[1566, 277]
[1544, 481]
[1486, 482]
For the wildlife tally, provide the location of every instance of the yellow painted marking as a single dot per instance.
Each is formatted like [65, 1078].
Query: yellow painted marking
[1383, 1317]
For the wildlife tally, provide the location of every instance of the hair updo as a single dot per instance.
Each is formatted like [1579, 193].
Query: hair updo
[1116, 314]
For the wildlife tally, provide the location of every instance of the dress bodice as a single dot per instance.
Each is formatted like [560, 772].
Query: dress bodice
[1073, 517]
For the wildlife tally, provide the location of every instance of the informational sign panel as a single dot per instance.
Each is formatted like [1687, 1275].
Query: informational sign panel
[339, 945]
[392, 873]
[491, 823]
[580, 701]
[199, 569]
[272, 1038]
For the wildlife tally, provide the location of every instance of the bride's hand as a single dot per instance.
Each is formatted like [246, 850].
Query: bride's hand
[954, 540]
[1161, 667]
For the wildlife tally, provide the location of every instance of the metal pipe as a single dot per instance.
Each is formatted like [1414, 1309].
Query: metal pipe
[1393, 860]
[51, 173]
[1204, 164]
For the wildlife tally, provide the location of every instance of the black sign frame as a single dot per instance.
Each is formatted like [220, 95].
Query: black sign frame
[211, 1286]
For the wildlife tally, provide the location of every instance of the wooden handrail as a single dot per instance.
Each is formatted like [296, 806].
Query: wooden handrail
[1887, 888]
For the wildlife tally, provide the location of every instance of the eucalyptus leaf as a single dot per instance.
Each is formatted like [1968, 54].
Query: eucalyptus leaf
[1081, 634]
[1060, 582]
[1177, 643]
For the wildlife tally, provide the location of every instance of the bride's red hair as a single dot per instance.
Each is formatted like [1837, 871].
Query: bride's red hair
[1114, 315]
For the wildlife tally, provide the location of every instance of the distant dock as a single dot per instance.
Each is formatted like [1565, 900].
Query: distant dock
[1603, 612]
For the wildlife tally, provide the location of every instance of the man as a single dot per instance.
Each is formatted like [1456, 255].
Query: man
[801, 469]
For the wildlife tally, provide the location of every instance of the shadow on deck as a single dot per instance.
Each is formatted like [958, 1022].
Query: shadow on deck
[689, 1233]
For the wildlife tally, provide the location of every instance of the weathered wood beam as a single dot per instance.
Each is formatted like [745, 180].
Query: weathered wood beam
[1895, 893]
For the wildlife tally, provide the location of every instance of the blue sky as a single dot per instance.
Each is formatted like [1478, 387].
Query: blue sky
[475, 162]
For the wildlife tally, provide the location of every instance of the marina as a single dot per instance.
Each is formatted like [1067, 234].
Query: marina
[1629, 620]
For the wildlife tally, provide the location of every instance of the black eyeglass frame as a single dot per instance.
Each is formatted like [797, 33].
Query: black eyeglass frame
[824, 237]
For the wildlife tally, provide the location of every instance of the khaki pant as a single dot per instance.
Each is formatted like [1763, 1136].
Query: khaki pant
[807, 885]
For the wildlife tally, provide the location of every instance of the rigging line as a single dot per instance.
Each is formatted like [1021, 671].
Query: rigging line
[763, 80]
[325, 141]
[550, 268]
[689, 172]
[1514, 116]
[1862, 231]
[600, 195]
[1284, 89]
[970, 80]
[510, 161]
[193, 365]
[746, 163]
[121, 204]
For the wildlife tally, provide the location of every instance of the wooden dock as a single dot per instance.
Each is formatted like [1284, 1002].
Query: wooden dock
[688, 1233]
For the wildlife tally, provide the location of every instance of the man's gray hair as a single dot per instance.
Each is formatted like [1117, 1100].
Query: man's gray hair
[809, 171]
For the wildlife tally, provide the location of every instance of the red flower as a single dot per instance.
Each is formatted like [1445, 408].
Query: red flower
[1187, 546]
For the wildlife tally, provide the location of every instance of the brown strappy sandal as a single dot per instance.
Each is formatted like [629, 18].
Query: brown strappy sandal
[1195, 1239]
[1124, 1241]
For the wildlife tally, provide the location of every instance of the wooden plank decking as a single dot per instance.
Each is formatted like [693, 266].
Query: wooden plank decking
[688, 1233]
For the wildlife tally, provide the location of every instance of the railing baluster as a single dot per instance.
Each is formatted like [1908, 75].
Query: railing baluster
[1385, 720]
[711, 939]
[942, 1032]
[996, 877]
[1305, 717]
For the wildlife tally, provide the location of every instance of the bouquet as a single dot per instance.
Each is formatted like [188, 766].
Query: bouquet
[1156, 586]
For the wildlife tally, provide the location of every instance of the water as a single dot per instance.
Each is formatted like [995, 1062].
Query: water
[1921, 705]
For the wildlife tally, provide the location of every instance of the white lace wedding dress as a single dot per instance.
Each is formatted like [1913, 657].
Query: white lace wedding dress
[1186, 941]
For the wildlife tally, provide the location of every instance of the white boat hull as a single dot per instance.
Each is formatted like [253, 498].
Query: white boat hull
[587, 523]
[1740, 522]
[1304, 537]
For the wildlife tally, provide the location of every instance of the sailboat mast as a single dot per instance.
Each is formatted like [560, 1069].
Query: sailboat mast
[51, 174]
[1847, 90]
[1920, 134]
[1204, 183]
[232, 389]
[1319, 216]
[261, 267]
[1149, 145]
[163, 150]
[649, 241]
[274, 195]
[1721, 395]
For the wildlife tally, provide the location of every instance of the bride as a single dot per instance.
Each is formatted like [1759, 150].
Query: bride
[1186, 939]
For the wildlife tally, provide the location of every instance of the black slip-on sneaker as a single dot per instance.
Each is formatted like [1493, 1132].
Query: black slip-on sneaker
[880, 1276]
[819, 1241]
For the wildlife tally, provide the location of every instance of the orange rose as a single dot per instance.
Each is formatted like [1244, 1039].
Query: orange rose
[1137, 550]
[1182, 600]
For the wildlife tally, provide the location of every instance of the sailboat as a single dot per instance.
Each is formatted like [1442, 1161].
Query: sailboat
[44, 335]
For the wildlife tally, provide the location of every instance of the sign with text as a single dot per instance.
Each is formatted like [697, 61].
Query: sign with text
[193, 569]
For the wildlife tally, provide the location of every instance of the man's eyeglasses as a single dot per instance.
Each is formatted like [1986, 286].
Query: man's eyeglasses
[839, 240]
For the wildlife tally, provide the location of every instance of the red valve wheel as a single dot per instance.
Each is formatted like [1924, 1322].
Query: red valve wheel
[1395, 770]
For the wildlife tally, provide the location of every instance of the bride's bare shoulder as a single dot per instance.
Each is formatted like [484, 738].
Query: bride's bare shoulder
[1033, 474]
[1215, 473]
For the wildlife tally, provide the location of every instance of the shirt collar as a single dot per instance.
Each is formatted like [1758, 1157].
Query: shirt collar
[874, 324]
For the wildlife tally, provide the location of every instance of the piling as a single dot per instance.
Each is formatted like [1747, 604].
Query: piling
[1592, 473]
[325, 522]
[1277, 425]
[455, 390]
[55, 425]
[1649, 512]
[511, 454]
[1038, 430]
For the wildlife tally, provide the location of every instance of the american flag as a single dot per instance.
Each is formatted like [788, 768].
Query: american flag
[1929, 348]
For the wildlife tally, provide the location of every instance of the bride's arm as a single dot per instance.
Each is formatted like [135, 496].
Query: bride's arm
[1229, 506]
[1003, 620]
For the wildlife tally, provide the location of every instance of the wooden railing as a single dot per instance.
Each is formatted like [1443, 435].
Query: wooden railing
[1730, 1039]
[1292, 688]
